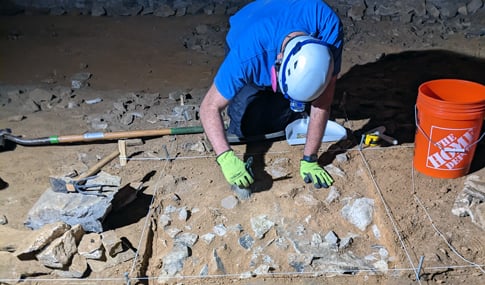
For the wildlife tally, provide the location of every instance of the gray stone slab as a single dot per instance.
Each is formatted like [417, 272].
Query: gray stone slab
[74, 208]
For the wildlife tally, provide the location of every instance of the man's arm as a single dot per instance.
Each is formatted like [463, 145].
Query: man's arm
[310, 171]
[234, 169]
[320, 111]
[210, 116]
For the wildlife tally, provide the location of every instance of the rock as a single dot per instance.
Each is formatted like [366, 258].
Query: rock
[376, 232]
[299, 261]
[164, 11]
[461, 206]
[246, 241]
[100, 265]
[220, 230]
[40, 95]
[316, 240]
[182, 11]
[432, 10]
[16, 118]
[111, 242]
[198, 147]
[172, 232]
[173, 262]
[341, 157]
[306, 199]
[40, 238]
[478, 214]
[333, 194]
[279, 168]
[208, 238]
[3, 220]
[237, 228]
[183, 214]
[230, 202]
[470, 201]
[77, 268]
[74, 208]
[261, 225]
[462, 10]
[217, 264]
[204, 271]
[356, 12]
[359, 212]
[186, 239]
[262, 269]
[80, 79]
[345, 242]
[91, 247]
[334, 170]
[473, 6]
[164, 220]
[331, 238]
[58, 253]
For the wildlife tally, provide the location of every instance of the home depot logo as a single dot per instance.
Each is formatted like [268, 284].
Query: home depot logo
[449, 151]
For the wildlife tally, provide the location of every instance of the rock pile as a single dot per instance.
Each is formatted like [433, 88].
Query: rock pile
[405, 11]
[60, 250]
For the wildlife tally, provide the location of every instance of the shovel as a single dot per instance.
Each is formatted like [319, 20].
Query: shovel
[6, 134]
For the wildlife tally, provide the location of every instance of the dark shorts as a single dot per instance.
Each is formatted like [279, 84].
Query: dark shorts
[259, 112]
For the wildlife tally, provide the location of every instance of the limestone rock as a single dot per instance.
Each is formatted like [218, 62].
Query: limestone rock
[91, 246]
[58, 254]
[40, 238]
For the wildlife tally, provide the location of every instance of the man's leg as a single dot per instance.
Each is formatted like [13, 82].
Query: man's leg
[262, 112]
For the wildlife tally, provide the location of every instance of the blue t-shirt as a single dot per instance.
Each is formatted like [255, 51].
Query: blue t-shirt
[257, 32]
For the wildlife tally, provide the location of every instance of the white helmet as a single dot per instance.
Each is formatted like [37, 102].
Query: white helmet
[305, 70]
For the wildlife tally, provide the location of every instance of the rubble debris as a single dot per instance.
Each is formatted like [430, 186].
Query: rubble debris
[58, 253]
[471, 201]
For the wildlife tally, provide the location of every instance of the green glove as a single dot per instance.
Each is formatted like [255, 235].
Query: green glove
[312, 172]
[235, 170]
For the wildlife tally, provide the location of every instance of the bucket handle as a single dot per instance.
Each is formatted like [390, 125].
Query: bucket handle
[460, 150]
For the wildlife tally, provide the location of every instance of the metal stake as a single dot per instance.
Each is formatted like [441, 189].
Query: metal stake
[420, 265]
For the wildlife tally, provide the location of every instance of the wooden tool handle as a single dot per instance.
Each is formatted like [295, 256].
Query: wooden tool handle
[95, 168]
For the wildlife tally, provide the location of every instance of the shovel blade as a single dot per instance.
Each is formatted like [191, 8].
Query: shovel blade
[58, 185]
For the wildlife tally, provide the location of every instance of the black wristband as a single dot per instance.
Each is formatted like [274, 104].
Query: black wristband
[310, 158]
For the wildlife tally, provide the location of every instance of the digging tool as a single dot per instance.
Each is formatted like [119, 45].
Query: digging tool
[77, 185]
[6, 134]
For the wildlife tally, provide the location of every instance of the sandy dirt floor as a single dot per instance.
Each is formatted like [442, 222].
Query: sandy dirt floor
[152, 58]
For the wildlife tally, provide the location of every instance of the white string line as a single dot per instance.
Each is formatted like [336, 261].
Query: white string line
[238, 276]
[269, 152]
[388, 212]
[479, 267]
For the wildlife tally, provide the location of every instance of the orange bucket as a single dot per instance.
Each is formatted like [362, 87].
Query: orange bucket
[449, 118]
